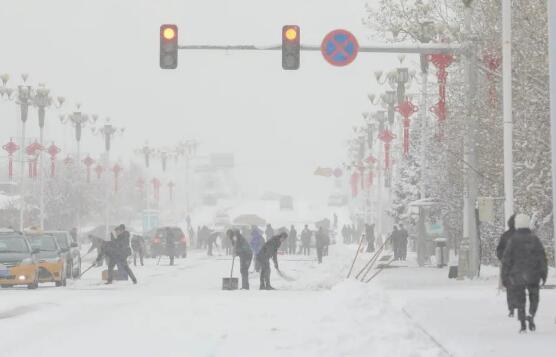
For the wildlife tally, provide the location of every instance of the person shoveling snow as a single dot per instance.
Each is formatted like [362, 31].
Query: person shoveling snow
[268, 251]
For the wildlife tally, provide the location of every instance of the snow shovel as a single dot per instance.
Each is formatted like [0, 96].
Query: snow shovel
[86, 270]
[284, 276]
[230, 283]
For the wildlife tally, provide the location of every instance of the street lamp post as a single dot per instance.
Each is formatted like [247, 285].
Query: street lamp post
[107, 131]
[42, 100]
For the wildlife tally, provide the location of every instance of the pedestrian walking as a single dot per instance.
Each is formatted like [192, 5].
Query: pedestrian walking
[524, 268]
[170, 244]
[267, 252]
[241, 249]
[370, 236]
[500, 249]
[211, 241]
[306, 240]
[292, 241]
[256, 243]
[404, 238]
[139, 247]
[269, 232]
[320, 240]
[395, 241]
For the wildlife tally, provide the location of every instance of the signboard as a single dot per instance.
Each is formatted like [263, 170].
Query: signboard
[339, 48]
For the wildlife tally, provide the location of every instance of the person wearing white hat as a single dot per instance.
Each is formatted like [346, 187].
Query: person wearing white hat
[524, 267]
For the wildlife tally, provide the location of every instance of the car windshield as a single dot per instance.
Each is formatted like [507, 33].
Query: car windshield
[45, 243]
[62, 239]
[13, 244]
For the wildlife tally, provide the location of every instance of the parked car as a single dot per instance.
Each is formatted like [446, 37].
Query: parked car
[72, 255]
[156, 242]
[51, 257]
[18, 261]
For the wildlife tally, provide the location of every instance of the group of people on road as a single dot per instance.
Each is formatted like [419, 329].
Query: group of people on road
[263, 251]
[399, 239]
[524, 269]
[115, 252]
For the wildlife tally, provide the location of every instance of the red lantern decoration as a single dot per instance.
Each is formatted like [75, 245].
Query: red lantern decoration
[406, 109]
[88, 161]
[53, 150]
[98, 170]
[354, 184]
[156, 189]
[116, 170]
[386, 136]
[441, 62]
[493, 62]
[11, 148]
[171, 186]
[33, 152]
[68, 161]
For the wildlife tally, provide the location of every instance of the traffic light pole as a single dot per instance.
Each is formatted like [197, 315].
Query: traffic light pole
[424, 48]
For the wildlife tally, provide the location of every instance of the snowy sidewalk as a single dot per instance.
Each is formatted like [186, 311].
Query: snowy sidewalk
[469, 317]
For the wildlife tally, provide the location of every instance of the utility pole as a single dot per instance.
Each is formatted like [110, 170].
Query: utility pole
[470, 190]
[508, 119]
[552, 64]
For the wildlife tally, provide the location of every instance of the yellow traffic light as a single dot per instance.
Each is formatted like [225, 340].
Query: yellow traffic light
[291, 34]
[169, 33]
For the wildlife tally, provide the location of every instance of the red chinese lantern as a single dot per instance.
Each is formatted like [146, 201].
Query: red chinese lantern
[33, 152]
[99, 170]
[441, 62]
[53, 150]
[140, 185]
[88, 161]
[156, 189]
[406, 109]
[354, 184]
[493, 62]
[11, 148]
[171, 186]
[116, 170]
[386, 136]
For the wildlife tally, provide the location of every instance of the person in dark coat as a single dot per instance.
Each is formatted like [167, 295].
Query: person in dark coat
[212, 237]
[306, 240]
[404, 238]
[170, 244]
[269, 232]
[500, 249]
[395, 241]
[267, 252]
[256, 243]
[138, 247]
[370, 236]
[320, 240]
[524, 268]
[292, 241]
[242, 250]
[117, 250]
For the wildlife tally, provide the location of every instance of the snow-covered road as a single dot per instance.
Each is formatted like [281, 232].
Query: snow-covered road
[181, 311]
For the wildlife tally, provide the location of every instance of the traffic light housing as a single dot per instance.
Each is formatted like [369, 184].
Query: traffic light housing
[169, 46]
[291, 47]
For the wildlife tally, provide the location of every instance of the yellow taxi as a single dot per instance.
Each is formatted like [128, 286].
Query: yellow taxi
[18, 260]
[51, 258]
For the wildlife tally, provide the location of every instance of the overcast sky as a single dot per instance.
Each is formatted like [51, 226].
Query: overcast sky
[280, 124]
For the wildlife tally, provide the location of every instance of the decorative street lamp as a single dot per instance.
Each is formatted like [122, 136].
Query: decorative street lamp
[107, 131]
[43, 100]
[79, 120]
[147, 151]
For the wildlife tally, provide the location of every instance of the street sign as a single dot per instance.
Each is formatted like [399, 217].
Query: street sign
[339, 48]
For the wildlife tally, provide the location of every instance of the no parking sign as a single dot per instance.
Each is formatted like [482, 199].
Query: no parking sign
[339, 48]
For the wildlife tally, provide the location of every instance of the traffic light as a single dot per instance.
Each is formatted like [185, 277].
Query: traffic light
[291, 47]
[169, 46]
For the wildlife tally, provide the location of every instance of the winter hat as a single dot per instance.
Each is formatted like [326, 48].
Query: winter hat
[522, 221]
